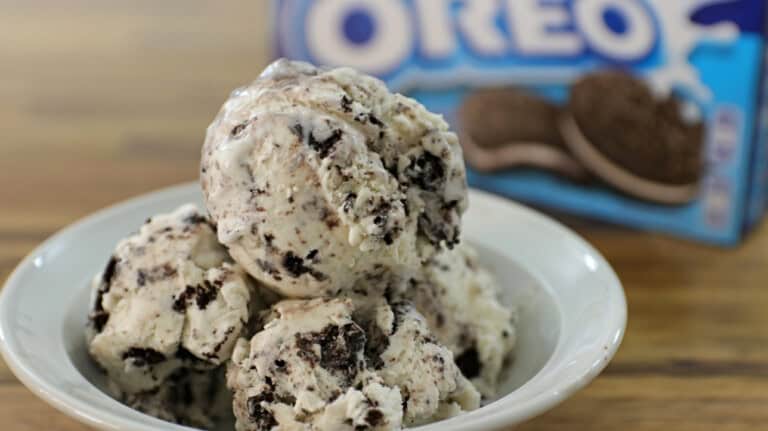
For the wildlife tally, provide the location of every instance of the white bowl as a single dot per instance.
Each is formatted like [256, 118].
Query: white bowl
[572, 311]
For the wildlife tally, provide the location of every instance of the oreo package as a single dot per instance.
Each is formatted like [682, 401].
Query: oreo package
[647, 113]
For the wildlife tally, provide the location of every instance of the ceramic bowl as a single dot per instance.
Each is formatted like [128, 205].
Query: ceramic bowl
[572, 311]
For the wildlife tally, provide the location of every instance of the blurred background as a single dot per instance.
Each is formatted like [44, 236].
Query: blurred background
[103, 100]
[115, 93]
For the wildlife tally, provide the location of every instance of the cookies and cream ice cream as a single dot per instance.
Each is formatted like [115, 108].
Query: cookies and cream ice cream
[317, 365]
[459, 299]
[169, 302]
[197, 398]
[317, 178]
[345, 201]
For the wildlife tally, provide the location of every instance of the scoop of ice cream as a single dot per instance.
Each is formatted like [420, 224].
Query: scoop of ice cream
[170, 300]
[194, 398]
[460, 301]
[407, 355]
[318, 177]
[315, 365]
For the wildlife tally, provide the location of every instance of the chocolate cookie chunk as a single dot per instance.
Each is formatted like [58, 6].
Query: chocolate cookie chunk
[640, 144]
[503, 128]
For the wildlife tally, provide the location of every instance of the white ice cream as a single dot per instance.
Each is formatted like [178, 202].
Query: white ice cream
[459, 299]
[195, 398]
[170, 302]
[318, 179]
[317, 366]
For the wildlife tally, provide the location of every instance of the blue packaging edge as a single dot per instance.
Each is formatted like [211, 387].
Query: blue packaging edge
[750, 195]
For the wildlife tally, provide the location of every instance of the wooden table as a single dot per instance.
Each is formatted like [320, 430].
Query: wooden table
[104, 100]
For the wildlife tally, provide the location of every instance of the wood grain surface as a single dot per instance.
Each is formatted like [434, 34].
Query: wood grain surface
[102, 100]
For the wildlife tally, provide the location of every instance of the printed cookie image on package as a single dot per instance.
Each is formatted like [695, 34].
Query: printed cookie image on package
[639, 143]
[521, 131]
[640, 112]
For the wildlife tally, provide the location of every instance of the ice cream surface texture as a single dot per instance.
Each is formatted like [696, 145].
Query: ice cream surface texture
[318, 365]
[328, 288]
[189, 397]
[321, 178]
[459, 299]
[167, 309]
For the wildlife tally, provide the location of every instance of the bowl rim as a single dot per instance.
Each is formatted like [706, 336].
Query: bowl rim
[110, 419]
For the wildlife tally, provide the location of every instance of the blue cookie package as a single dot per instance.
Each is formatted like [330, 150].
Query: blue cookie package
[647, 113]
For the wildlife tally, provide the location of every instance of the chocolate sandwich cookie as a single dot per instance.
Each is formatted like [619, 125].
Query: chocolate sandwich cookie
[640, 144]
[503, 128]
